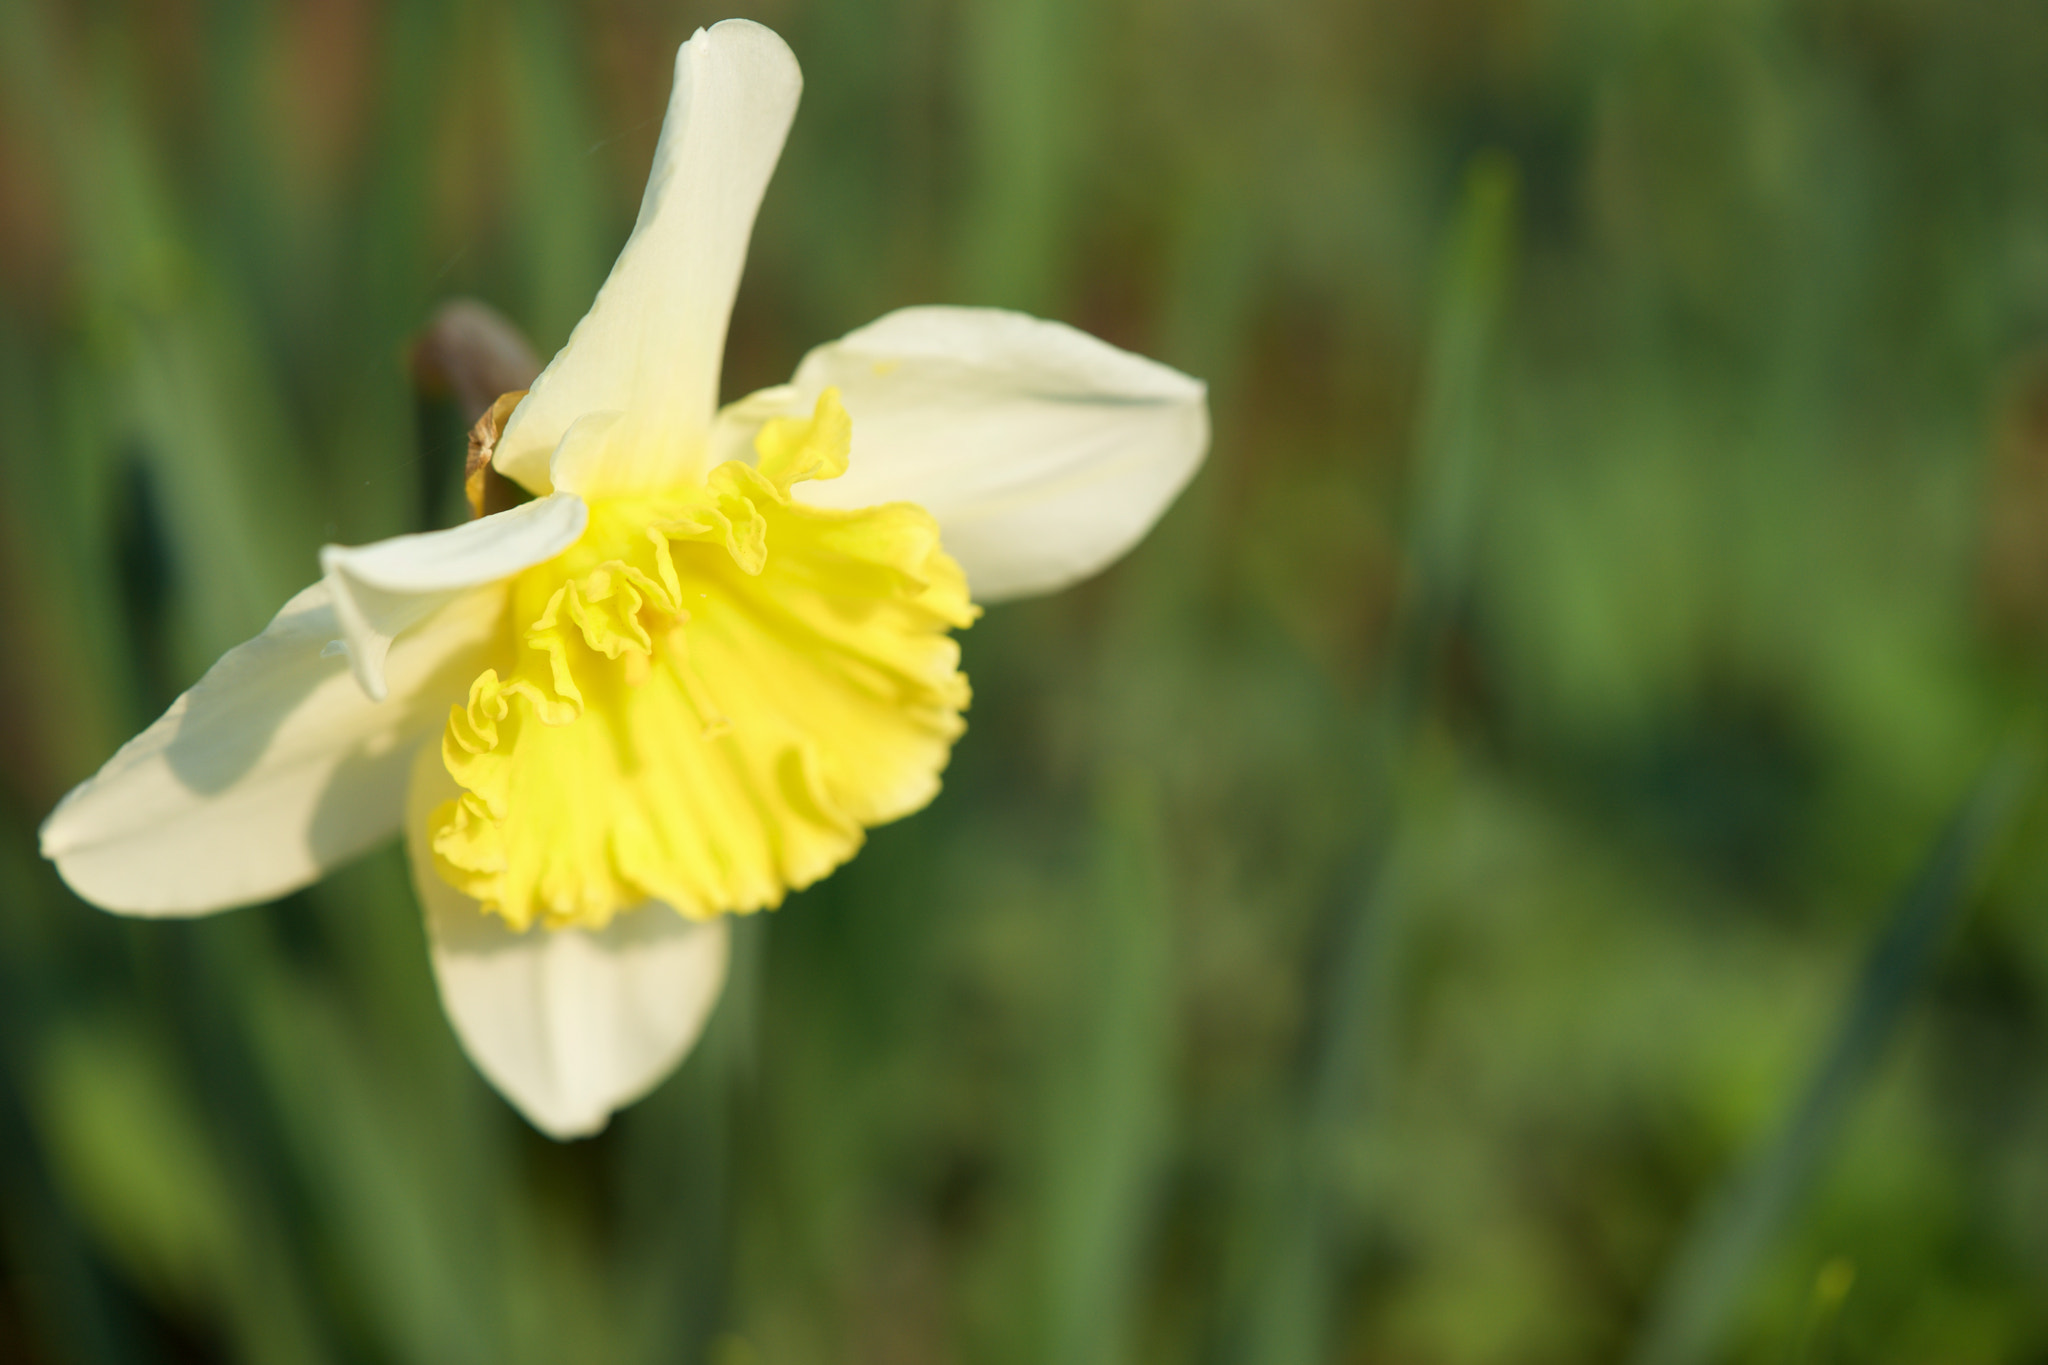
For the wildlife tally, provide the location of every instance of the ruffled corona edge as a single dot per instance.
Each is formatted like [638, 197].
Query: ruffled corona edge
[709, 698]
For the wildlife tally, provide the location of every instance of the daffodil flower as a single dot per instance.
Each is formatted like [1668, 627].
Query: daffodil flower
[683, 679]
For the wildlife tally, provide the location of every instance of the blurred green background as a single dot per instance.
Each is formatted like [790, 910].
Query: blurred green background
[1472, 887]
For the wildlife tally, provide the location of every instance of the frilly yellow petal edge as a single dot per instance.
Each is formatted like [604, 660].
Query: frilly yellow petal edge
[709, 698]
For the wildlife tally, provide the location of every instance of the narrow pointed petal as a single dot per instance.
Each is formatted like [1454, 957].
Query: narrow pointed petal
[271, 770]
[385, 588]
[1043, 452]
[651, 345]
[570, 1025]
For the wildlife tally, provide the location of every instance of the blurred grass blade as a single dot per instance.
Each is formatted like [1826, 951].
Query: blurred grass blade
[1107, 1100]
[1303, 1232]
[1462, 352]
[1450, 429]
[72, 1311]
[565, 221]
[135, 1158]
[675, 1179]
[1032, 120]
[1735, 1231]
[389, 1186]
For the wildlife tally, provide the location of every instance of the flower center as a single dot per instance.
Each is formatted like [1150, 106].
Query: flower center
[708, 698]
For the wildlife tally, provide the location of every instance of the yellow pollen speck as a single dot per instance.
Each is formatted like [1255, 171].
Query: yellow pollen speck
[717, 756]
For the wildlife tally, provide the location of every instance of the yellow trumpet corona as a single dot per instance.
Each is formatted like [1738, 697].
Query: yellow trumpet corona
[708, 698]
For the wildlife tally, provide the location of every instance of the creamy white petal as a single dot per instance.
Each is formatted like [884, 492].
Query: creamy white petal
[595, 448]
[383, 589]
[570, 1025]
[271, 770]
[1043, 452]
[651, 345]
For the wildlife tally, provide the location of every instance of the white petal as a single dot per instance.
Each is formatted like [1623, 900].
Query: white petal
[650, 346]
[272, 769]
[569, 1025]
[1043, 452]
[595, 452]
[385, 588]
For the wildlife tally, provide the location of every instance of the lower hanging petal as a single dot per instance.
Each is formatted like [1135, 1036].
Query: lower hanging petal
[570, 1025]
